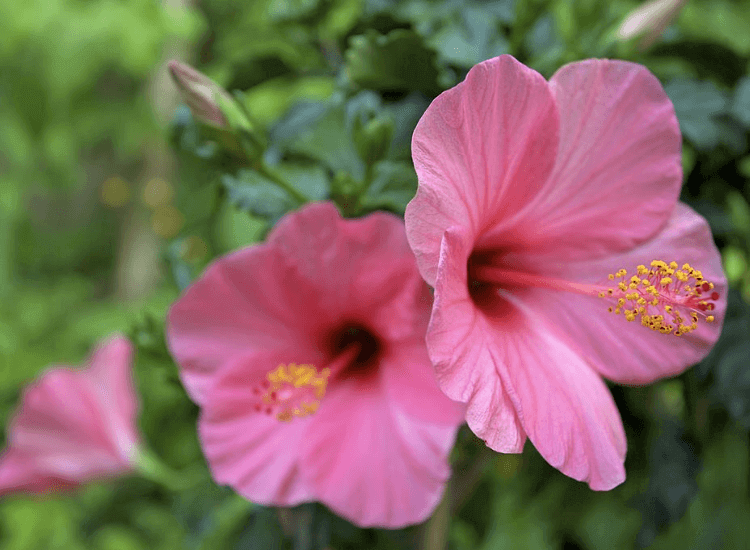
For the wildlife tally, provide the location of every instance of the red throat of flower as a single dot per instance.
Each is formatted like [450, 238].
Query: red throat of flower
[667, 298]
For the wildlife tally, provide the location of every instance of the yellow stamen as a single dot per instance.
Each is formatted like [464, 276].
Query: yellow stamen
[663, 296]
[283, 390]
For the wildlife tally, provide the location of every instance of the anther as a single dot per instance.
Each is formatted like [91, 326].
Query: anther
[663, 296]
[291, 391]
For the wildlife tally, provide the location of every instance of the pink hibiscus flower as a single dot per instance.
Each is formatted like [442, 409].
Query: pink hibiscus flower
[541, 206]
[306, 355]
[74, 425]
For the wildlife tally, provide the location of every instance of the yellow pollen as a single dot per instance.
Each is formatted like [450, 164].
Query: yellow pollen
[295, 389]
[668, 299]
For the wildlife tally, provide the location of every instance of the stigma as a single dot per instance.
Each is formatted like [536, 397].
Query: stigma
[291, 391]
[666, 297]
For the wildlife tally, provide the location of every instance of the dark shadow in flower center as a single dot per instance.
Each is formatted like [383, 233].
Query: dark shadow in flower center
[484, 293]
[370, 348]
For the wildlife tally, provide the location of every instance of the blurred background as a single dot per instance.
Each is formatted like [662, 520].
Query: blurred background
[113, 197]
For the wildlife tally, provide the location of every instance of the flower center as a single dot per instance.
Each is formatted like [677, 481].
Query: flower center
[355, 335]
[667, 298]
[291, 391]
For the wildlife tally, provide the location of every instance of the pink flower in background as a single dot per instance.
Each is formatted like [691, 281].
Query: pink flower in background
[540, 206]
[306, 355]
[74, 425]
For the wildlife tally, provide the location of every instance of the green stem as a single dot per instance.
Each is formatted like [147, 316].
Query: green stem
[269, 174]
[435, 534]
[231, 514]
[151, 467]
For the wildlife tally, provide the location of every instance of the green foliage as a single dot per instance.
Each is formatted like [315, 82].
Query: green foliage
[397, 61]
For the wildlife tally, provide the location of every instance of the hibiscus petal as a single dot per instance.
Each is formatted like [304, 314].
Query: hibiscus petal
[248, 300]
[376, 277]
[565, 408]
[111, 378]
[618, 171]
[519, 379]
[254, 453]
[379, 467]
[629, 353]
[465, 366]
[482, 151]
[17, 473]
[410, 383]
[60, 425]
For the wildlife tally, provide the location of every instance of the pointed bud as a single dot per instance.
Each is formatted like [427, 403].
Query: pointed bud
[201, 94]
[650, 20]
[372, 138]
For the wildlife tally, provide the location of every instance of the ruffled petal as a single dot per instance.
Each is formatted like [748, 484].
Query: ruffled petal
[564, 407]
[518, 378]
[482, 151]
[254, 453]
[373, 464]
[466, 367]
[618, 171]
[629, 353]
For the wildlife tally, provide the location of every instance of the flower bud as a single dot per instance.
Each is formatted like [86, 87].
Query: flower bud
[372, 138]
[201, 94]
[650, 20]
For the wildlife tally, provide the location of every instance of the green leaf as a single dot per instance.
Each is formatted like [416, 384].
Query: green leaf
[722, 21]
[263, 532]
[673, 466]
[394, 185]
[319, 131]
[732, 382]
[473, 35]
[312, 181]
[729, 361]
[741, 101]
[699, 106]
[271, 99]
[396, 61]
[739, 212]
[253, 193]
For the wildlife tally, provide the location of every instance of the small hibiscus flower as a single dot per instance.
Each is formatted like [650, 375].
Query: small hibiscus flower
[74, 425]
[306, 355]
[547, 220]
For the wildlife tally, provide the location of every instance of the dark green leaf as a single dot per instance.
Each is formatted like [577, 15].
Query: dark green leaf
[318, 131]
[394, 185]
[253, 193]
[673, 465]
[741, 101]
[699, 106]
[472, 36]
[396, 61]
[262, 532]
